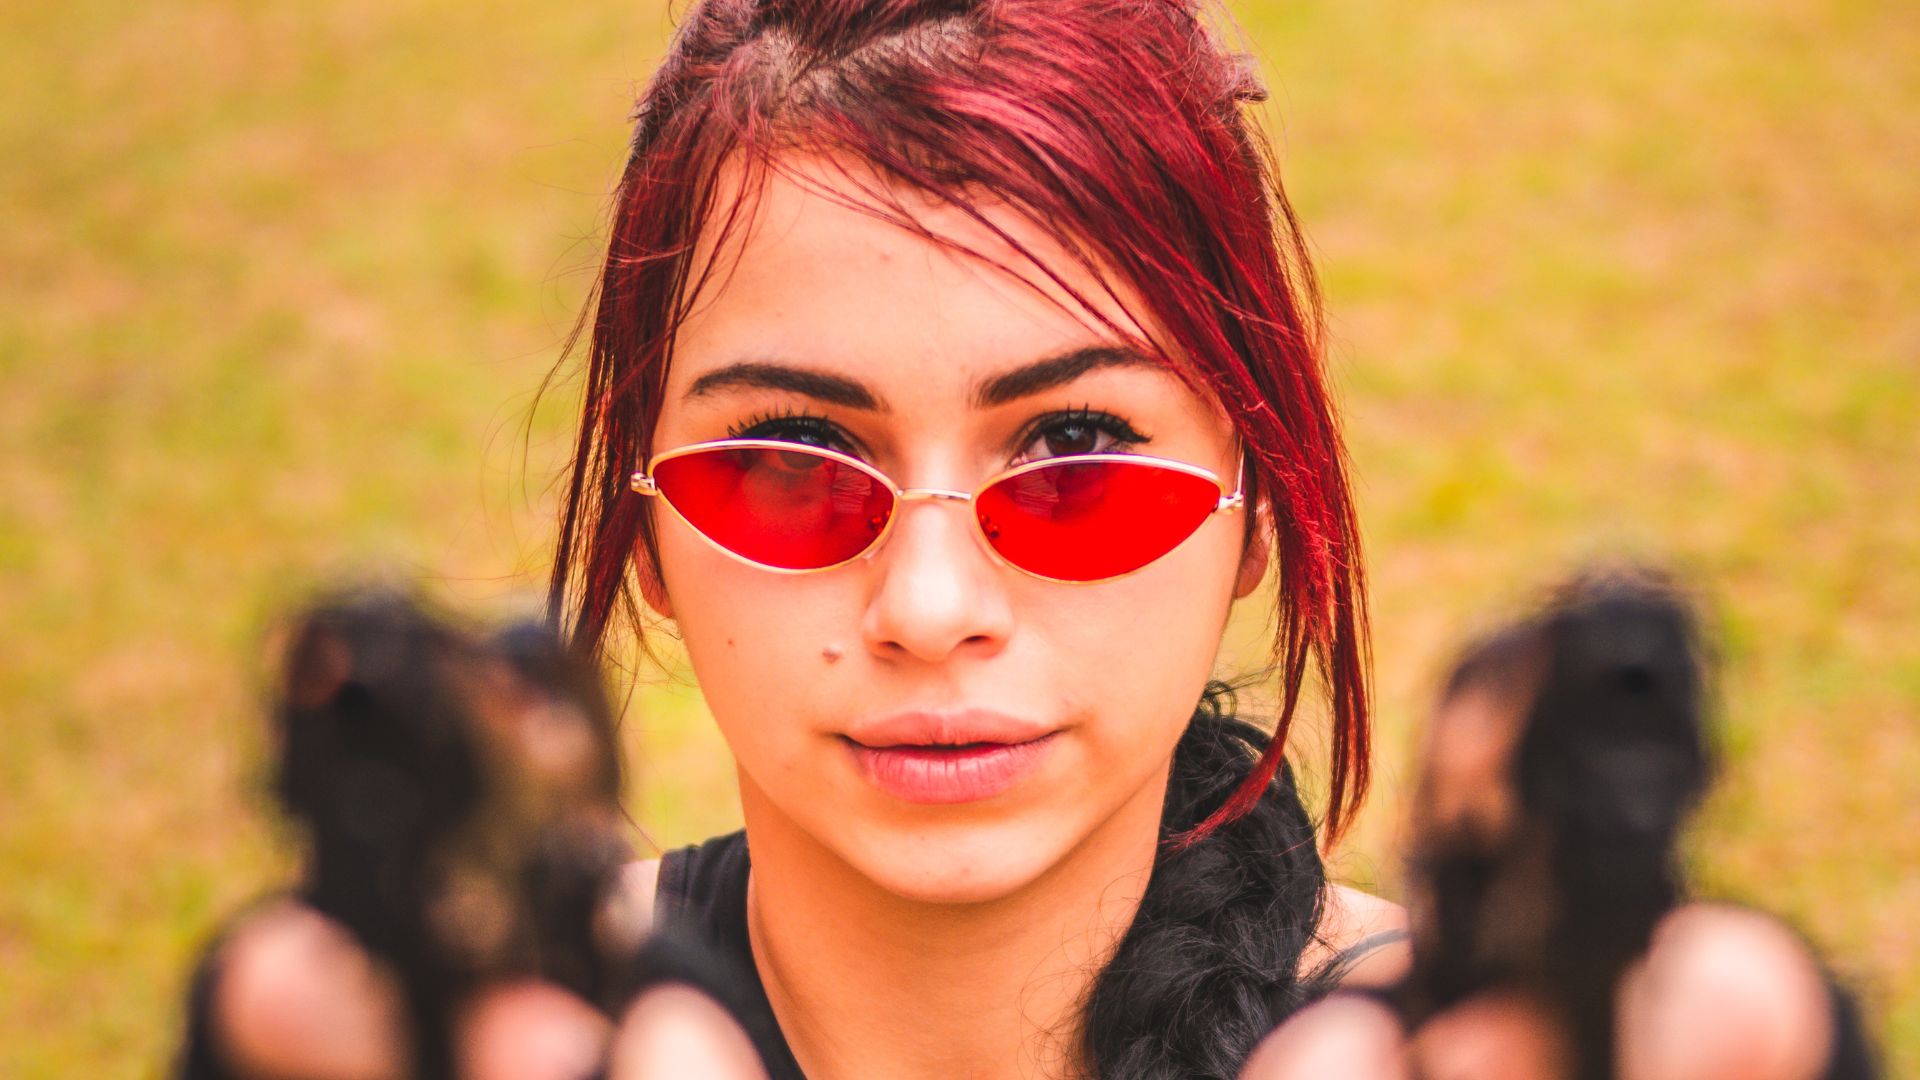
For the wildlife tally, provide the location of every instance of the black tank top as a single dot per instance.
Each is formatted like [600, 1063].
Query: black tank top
[702, 892]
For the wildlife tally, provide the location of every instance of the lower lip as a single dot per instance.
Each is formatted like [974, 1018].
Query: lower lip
[948, 774]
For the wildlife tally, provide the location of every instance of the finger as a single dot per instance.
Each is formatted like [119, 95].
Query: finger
[1724, 994]
[676, 1031]
[298, 999]
[1492, 1037]
[1344, 1036]
[530, 1031]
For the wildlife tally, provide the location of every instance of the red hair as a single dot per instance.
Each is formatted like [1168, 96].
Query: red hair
[1119, 126]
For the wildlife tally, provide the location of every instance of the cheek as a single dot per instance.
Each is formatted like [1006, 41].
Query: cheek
[751, 635]
[1138, 651]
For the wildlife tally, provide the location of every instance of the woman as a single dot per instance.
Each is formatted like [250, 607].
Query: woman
[956, 364]
[924, 244]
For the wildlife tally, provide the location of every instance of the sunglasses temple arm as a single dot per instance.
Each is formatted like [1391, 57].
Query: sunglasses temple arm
[1236, 500]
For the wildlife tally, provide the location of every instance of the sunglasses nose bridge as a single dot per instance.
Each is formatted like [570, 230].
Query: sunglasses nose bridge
[905, 496]
[934, 495]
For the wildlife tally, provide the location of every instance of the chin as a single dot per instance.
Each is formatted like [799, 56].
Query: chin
[956, 863]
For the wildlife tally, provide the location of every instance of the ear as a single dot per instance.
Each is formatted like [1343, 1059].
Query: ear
[652, 589]
[1259, 549]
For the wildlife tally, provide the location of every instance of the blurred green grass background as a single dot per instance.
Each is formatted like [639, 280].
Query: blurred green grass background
[280, 279]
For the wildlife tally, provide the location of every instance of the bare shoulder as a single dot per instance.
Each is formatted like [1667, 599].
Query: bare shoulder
[1349, 918]
[637, 884]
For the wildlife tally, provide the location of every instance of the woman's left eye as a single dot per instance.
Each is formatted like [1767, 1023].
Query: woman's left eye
[1079, 431]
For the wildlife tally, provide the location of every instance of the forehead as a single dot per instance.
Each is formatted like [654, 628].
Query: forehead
[814, 272]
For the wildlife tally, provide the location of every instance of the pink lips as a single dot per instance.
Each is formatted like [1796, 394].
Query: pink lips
[948, 757]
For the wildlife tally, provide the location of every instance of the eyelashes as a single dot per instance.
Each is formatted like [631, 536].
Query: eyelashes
[1081, 430]
[793, 425]
[1085, 430]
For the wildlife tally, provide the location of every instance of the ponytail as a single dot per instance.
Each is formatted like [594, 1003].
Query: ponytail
[1209, 965]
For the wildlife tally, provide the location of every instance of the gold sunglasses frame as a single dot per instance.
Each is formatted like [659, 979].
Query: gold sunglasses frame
[643, 483]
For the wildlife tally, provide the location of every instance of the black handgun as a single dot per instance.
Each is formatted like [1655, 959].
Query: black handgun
[1566, 755]
[459, 793]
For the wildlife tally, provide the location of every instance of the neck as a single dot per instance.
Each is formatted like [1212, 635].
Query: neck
[867, 983]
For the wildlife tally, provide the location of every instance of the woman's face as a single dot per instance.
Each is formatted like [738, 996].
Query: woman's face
[841, 691]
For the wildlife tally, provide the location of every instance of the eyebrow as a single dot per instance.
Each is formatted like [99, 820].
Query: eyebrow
[1008, 386]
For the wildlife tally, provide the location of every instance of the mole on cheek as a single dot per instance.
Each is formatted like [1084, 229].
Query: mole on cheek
[831, 653]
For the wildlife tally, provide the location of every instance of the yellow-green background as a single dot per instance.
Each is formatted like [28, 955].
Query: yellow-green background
[277, 280]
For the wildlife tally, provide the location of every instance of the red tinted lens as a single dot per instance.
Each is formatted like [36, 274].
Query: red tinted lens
[1088, 520]
[791, 509]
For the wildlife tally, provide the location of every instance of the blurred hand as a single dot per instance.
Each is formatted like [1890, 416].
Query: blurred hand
[1724, 994]
[299, 999]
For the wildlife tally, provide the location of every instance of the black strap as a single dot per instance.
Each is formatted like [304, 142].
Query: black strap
[1346, 959]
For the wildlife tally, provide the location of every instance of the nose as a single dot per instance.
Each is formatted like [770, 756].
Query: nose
[937, 593]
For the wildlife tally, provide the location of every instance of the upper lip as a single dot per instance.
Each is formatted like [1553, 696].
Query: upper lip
[955, 728]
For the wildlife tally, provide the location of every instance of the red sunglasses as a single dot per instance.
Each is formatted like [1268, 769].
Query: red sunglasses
[794, 508]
